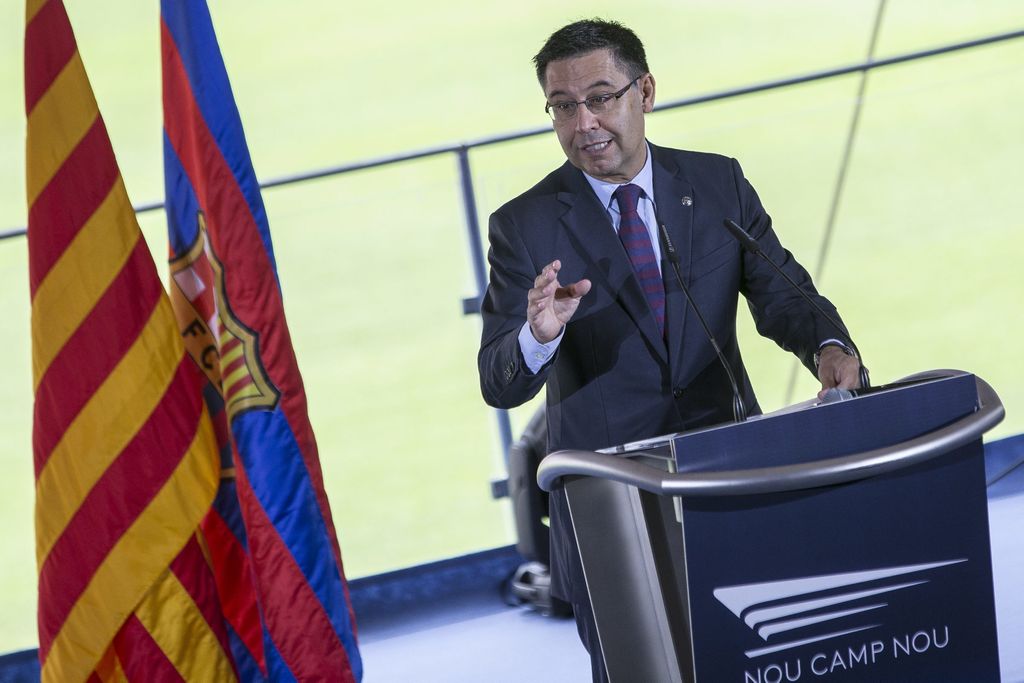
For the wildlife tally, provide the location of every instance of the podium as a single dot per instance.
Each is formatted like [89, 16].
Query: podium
[836, 542]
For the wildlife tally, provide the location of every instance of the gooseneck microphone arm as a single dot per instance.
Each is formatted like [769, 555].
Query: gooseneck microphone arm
[739, 410]
[751, 245]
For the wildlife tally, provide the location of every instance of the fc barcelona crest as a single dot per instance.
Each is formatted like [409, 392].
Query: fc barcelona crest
[223, 347]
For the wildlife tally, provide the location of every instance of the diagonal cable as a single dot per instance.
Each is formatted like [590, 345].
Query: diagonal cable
[837, 192]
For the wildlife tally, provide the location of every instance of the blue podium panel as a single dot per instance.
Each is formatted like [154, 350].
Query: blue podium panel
[886, 578]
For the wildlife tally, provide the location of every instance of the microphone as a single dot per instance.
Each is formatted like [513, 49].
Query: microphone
[744, 238]
[751, 245]
[739, 410]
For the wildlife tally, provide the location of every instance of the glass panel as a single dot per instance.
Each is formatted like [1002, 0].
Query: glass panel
[17, 491]
[373, 284]
[374, 264]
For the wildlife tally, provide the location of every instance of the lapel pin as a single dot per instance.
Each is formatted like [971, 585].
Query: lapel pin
[687, 201]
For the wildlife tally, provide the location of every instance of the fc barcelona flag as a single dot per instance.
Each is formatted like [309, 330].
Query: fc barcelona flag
[123, 444]
[230, 312]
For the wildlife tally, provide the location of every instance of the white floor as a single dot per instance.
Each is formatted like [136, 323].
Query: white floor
[497, 645]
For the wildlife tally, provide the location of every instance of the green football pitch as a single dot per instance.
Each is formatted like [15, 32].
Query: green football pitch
[373, 265]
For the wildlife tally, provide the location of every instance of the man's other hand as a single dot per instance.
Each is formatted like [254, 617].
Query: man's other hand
[550, 305]
[837, 370]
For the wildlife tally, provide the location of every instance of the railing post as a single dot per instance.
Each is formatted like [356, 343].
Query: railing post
[476, 257]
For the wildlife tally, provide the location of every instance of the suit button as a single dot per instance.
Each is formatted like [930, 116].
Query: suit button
[677, 392]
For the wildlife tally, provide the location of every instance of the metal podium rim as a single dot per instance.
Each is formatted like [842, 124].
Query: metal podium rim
[573, 463]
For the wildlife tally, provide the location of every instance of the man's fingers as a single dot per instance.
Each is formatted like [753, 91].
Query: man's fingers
[576, 290]
[547, 274]
[538, 293]
[850, 378]
[547, 291]
[580, 289]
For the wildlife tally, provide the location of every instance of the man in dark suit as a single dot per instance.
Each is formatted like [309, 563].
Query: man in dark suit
[583, 297]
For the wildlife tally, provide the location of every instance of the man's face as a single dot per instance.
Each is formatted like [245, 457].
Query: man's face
[609, 146]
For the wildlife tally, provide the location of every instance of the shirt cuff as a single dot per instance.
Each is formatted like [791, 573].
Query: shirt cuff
[832, 342]
[536, 354]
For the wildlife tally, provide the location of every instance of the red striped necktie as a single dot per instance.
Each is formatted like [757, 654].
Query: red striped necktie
[637, 241]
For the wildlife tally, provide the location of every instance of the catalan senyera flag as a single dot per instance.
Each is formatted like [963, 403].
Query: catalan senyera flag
[230, 311]
[124, 449]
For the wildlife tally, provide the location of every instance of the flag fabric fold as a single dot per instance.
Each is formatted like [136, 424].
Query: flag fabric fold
[272, 514]
[123, 443]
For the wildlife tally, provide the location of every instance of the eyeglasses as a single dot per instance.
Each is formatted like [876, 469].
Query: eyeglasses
[598, 104]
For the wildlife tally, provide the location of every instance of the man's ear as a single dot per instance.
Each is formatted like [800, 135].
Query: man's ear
[647, 93]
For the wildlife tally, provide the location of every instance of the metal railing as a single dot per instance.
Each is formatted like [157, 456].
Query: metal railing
[471, 305]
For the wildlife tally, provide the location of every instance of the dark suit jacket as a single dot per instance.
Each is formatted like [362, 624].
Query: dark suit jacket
[614, 378]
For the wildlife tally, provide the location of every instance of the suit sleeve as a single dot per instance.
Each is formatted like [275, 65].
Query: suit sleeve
[505, 379]
[779, 312]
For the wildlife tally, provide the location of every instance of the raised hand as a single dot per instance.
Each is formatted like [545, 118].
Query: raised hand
[550, 305]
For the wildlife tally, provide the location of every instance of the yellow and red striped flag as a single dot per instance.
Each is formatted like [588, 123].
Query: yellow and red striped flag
[125, 455]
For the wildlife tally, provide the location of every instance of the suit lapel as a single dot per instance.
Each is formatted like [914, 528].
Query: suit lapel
[591, 231]
[675, 199]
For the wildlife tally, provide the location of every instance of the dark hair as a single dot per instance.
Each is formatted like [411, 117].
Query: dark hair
[581, 37]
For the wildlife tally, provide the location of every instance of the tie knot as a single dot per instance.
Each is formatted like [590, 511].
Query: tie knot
[628, 196]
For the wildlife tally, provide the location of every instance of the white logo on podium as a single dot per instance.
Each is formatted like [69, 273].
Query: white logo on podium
[776, 607]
